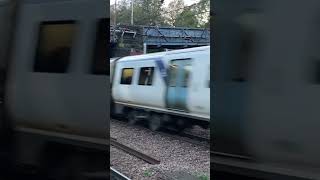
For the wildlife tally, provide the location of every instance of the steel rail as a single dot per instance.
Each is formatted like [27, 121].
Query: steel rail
[116, 175]
[134, 152]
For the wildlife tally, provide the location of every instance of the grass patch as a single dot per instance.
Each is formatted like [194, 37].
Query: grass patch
[147, 173]
[203, 177]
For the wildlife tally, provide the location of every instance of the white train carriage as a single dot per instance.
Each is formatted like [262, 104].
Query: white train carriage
[267, 71]
[174, 85]
[61, 60]
[57, 78]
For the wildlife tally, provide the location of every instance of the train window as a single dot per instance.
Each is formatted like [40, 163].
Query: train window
[209, 78]
[173, 70]
[242, 61]
[100, 65]
[246, 47]
[318, 72]
[54, 46]
[146, 76]
[187, 71]
[126, 77]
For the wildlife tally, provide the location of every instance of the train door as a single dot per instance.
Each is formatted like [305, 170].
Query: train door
[199, 86]
[234, 59]
[285, 92]
[179, 74]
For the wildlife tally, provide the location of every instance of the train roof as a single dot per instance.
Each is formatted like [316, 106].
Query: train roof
[113, 59]
[161, 54]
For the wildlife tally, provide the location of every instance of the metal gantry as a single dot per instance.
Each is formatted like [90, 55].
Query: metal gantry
[154, 35]
[139, 38]
[176, 36]
[117, 33]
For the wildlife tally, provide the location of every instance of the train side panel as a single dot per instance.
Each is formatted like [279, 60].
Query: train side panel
[199, 91]
[6, 23]
[73, 102]
[133, 93]
[190, 92]
[274, 133]
[287, 102]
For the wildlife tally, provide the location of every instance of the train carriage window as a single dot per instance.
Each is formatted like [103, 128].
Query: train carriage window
[317, 72]
[247, 46]
[173, 70]
[208, 77]
[186, 77]
[241, 64]
[54, 46]
[146, 76]
[126, 76]
[101, 65]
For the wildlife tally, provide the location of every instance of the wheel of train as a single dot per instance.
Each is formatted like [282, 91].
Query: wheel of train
[180, 125]
[155, 122]
[132, 117]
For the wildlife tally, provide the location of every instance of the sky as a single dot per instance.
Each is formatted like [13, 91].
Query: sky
[166, 2]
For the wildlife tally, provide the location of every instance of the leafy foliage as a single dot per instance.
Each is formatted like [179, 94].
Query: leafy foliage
[153, 12]
[147, 173]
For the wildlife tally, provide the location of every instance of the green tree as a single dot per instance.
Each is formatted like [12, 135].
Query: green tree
[195, 15]
[152, 12]
[148, 12]
[202, 9]
[173, 10]
[123, 12]
[145, 12]
[187, 18]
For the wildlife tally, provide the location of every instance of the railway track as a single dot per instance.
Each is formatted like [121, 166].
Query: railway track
[194, 139]
[134, 152]
[184, 136]
[116, 175]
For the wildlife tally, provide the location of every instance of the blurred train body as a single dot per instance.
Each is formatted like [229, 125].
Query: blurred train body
[266, 76]
[167, 87]
[56, 76]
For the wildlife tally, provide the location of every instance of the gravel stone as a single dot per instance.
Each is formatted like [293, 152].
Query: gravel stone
[178, 159]
[197, 130]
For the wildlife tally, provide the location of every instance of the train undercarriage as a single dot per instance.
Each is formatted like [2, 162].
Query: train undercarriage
[157, 120]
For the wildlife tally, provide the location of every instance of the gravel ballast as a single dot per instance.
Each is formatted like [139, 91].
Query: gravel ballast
[178, 159]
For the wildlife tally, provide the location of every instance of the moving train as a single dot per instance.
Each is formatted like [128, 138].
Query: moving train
[266, 69]
[165, 89]
[53, 55]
